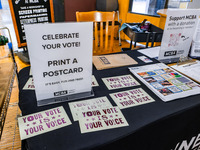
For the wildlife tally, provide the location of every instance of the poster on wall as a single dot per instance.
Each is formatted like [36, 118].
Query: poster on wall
[178, 34]
[29, 12]
[61, 60]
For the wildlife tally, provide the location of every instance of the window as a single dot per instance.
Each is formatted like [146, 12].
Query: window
[150, 7]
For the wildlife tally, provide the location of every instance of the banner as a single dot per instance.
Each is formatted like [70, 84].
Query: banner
[61, 60]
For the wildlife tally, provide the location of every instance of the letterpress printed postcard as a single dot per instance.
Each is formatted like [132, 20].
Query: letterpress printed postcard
[95, 103]
[101, 119]
[42, 122]
[130, 98]
[29, 84]
[120, 82]
[94, 81]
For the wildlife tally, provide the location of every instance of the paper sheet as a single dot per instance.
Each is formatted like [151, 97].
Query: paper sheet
[192, 71]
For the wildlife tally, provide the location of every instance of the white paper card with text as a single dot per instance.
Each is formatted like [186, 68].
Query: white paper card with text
[130, 98]
[101, 119]
[95, 103]
[120, 82]
[42, 122]
[29, 84]
[61, 59]
[94, 81]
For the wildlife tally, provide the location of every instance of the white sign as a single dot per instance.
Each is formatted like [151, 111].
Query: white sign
[42, 122]
[61, 59]
[101, 119]
[178, 33]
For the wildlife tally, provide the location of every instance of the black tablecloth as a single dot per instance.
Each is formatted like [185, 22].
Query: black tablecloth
[154, 126]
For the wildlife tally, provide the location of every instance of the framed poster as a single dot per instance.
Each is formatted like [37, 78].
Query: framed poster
[29, 12]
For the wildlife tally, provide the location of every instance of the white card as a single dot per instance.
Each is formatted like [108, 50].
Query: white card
[76, 107]
[42, 122]
[130, 98]
[120, 82]
[29, 84]
[101, 119]
[94, 81]
[145, 59]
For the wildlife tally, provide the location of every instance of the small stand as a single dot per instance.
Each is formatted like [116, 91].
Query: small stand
[65, 98]
[185, 61]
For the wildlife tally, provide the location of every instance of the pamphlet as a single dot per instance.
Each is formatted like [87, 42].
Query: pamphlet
[130, 98]
[101, 119]
[120, 82]
[165, 82]
[112, 61]
[76, 107]
[42, 122]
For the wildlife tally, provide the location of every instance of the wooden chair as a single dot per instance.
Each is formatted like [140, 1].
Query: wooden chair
[103, 32]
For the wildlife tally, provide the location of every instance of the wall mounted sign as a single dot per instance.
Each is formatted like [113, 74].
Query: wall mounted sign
[61, 60]
[178, 33]
[29, 12]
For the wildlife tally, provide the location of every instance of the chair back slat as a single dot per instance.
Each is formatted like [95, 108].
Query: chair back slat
[103, 29]
[101, 35]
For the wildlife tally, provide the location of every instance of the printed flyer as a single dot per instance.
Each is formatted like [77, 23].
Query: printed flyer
[130, 98]
[101, 119]
[165, 82]
[58, 49]
[76, 107]
[178, 33]
[120, 82]
[42, 122]
[29, 84]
